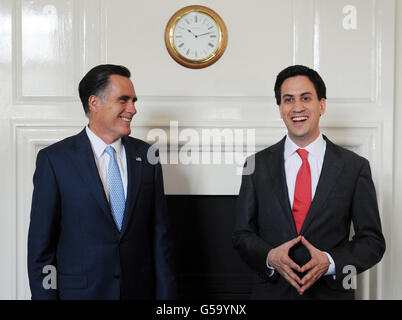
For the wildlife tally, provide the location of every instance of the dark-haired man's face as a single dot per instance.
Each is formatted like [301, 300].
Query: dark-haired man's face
[111, 114]
[301, 109]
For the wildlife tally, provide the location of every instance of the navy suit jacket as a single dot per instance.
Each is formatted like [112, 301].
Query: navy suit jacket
[72, 227]
[345, 193]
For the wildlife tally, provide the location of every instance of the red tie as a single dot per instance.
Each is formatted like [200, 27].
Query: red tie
[302, 199]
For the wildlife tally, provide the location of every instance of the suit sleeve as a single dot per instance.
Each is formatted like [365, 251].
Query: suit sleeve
[164, 258]
[245, 239]
[368, 244]
[44, 227]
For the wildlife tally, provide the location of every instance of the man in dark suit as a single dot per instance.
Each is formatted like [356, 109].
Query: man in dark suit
[294, 212]
[99, 214]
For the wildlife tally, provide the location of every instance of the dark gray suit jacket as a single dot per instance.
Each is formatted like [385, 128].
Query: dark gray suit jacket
[345, 193]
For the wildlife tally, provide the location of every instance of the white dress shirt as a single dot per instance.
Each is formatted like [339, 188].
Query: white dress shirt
[102, 159]
[293, 162]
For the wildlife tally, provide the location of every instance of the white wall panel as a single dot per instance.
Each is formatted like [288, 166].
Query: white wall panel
[393, 287]
[47, 46]
[348, 56]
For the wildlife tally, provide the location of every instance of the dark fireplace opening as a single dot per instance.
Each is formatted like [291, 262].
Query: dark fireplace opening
[207, 265]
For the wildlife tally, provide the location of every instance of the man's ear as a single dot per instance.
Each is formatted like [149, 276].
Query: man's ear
[93, 103]
[280, 111]
[323, 106]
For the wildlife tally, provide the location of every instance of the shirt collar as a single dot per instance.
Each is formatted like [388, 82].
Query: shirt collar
[315, 148]
[98, 145]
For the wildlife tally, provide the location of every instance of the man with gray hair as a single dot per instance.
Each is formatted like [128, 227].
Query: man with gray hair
[99, 213]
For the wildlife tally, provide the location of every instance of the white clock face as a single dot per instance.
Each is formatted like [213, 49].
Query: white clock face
[196, 36]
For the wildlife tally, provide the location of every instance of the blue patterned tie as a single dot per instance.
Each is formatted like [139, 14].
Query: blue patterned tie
[116, 190]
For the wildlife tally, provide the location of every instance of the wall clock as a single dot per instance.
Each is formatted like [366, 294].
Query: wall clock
[196, 37]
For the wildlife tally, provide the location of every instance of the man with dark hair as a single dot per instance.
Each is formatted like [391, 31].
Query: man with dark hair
[96, 80]
[298, 70]
[294, 212]
[99, 214]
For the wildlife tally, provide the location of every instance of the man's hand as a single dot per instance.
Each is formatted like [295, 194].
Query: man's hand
[279, 259]
[317, 266]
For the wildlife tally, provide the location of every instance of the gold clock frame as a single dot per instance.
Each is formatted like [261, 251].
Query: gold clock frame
[184, 61]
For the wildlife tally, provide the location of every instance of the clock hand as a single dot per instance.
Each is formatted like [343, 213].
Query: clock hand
[192, 33]
[199, 35]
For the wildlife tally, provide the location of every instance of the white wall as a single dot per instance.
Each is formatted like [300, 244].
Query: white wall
[395, 287]
[47, 46]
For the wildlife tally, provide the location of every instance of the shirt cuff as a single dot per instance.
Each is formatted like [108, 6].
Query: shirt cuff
[271, 270]
[331, 268]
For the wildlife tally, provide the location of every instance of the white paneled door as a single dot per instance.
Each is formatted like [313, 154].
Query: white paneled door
[46, 46]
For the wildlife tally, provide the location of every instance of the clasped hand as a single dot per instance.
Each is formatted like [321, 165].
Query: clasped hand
[318, 265]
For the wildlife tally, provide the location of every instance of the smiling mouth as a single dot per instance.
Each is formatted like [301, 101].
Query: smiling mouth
[125, 119]
[299, 119]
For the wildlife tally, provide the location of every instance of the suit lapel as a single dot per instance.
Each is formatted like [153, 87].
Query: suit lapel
[331, 169]
[134, 173]
[86, 167]
[276, 168]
